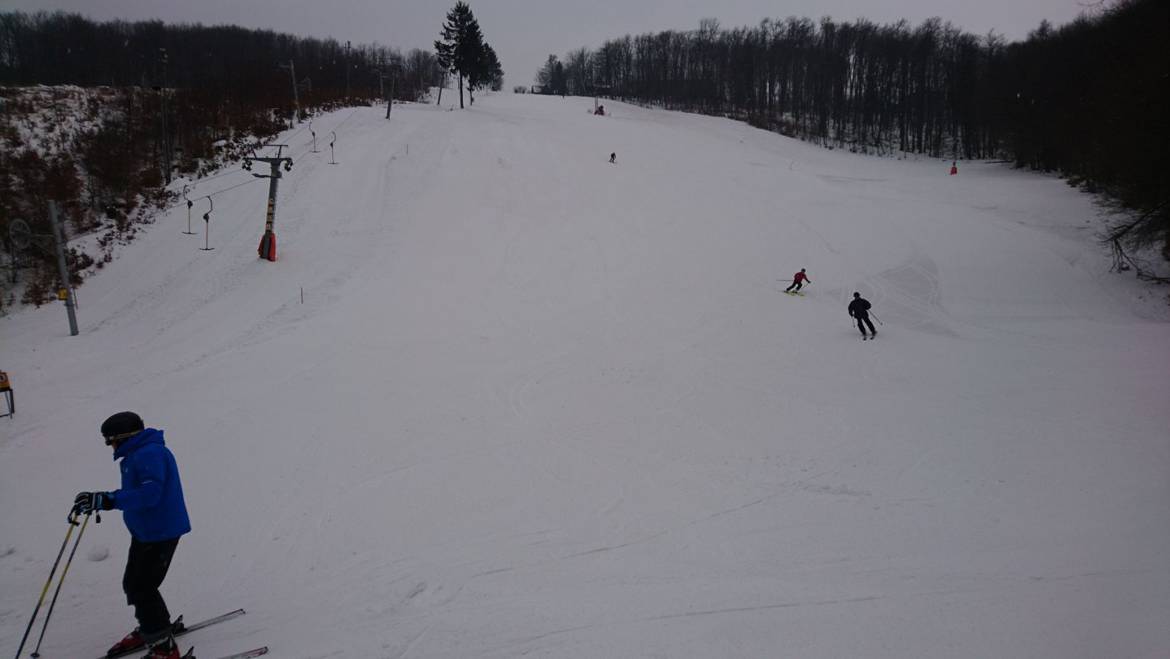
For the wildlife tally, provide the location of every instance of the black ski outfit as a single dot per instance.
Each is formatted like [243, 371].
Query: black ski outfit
[859, 309]
[146, 567]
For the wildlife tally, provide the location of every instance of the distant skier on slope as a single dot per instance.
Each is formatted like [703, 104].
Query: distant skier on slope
[797, 281]
[613, 157]
[859, 309]
[954, 168]
[151, 499]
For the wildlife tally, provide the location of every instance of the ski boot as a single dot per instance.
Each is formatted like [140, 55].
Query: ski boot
[167, 649]
[133, 642]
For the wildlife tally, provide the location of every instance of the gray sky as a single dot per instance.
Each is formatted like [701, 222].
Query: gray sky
[525, 32]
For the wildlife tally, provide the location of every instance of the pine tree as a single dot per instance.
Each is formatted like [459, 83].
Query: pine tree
[462, 48]
[487, 71]
[494, 77]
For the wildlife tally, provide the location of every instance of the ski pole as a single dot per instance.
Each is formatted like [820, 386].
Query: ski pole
[65, 570]
[876, 318]
[72, 523]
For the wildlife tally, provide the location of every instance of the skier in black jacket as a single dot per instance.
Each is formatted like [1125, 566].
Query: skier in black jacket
[859, 309]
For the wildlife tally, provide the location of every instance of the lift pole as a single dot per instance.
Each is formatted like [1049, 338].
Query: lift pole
[64, 270]
[292, 73]
[267, 248]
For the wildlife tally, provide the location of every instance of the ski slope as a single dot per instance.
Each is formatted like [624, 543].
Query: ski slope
[537, 404]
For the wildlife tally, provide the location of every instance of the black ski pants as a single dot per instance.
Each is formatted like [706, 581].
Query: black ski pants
[795, 284]
[865, 319]
[146, 568]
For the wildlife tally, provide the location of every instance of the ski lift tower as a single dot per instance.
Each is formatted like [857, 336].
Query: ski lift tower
[21, 236]
[267, 248]
[292, 73]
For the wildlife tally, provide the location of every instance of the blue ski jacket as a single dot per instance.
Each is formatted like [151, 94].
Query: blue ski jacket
[151, 498]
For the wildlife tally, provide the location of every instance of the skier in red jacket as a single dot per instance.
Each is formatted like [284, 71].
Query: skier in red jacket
[797, 281]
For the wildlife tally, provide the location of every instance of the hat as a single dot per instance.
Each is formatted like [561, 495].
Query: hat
[122, 423]
[856, 294]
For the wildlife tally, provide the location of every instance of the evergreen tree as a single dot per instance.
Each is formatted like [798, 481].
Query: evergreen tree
[552, 78]
[493, 72]
[545, 76]
[462, 49]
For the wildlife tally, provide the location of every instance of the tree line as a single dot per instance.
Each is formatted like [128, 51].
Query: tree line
[237, 63]
[1087, 100]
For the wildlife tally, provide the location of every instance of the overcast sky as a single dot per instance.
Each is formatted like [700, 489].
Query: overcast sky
[525, 32]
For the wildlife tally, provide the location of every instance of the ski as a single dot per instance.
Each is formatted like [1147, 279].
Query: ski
[179, 631]
[248, 654]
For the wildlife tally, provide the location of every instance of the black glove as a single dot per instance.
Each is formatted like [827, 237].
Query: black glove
[87, 502]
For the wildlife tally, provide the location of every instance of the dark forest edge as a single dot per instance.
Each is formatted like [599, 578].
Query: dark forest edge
[1087, 100]
[154, 101]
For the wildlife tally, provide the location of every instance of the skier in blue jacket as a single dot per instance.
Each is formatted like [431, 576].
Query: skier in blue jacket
[151, 501]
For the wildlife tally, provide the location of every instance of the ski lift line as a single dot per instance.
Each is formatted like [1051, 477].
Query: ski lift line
[193, 184]
[212, 194]
[239, 170]
[343, 121]
[299, 131]
[233, 187]
[226, 172]
[301, 154]
[334, 130]
[215, 176]
[94, 232]
[189, 187]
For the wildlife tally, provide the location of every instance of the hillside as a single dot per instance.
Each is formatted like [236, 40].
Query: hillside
[534, 403]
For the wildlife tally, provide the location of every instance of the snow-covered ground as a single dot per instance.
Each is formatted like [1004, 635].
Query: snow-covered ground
[534, 403]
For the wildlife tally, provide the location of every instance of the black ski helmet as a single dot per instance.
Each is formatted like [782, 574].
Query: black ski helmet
[856, 294]
[122, 423]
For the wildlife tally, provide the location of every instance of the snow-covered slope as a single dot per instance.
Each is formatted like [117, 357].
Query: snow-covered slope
[534, 403]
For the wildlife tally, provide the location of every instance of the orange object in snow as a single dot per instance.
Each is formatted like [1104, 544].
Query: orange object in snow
[268, 247]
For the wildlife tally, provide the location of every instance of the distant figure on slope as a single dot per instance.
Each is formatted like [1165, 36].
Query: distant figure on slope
[797, 281]
[954, 168]
[600, 111]
[859, 309]
[151, 499]
[613, 157]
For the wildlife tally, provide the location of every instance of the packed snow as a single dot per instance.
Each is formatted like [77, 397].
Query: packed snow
[533, 403]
